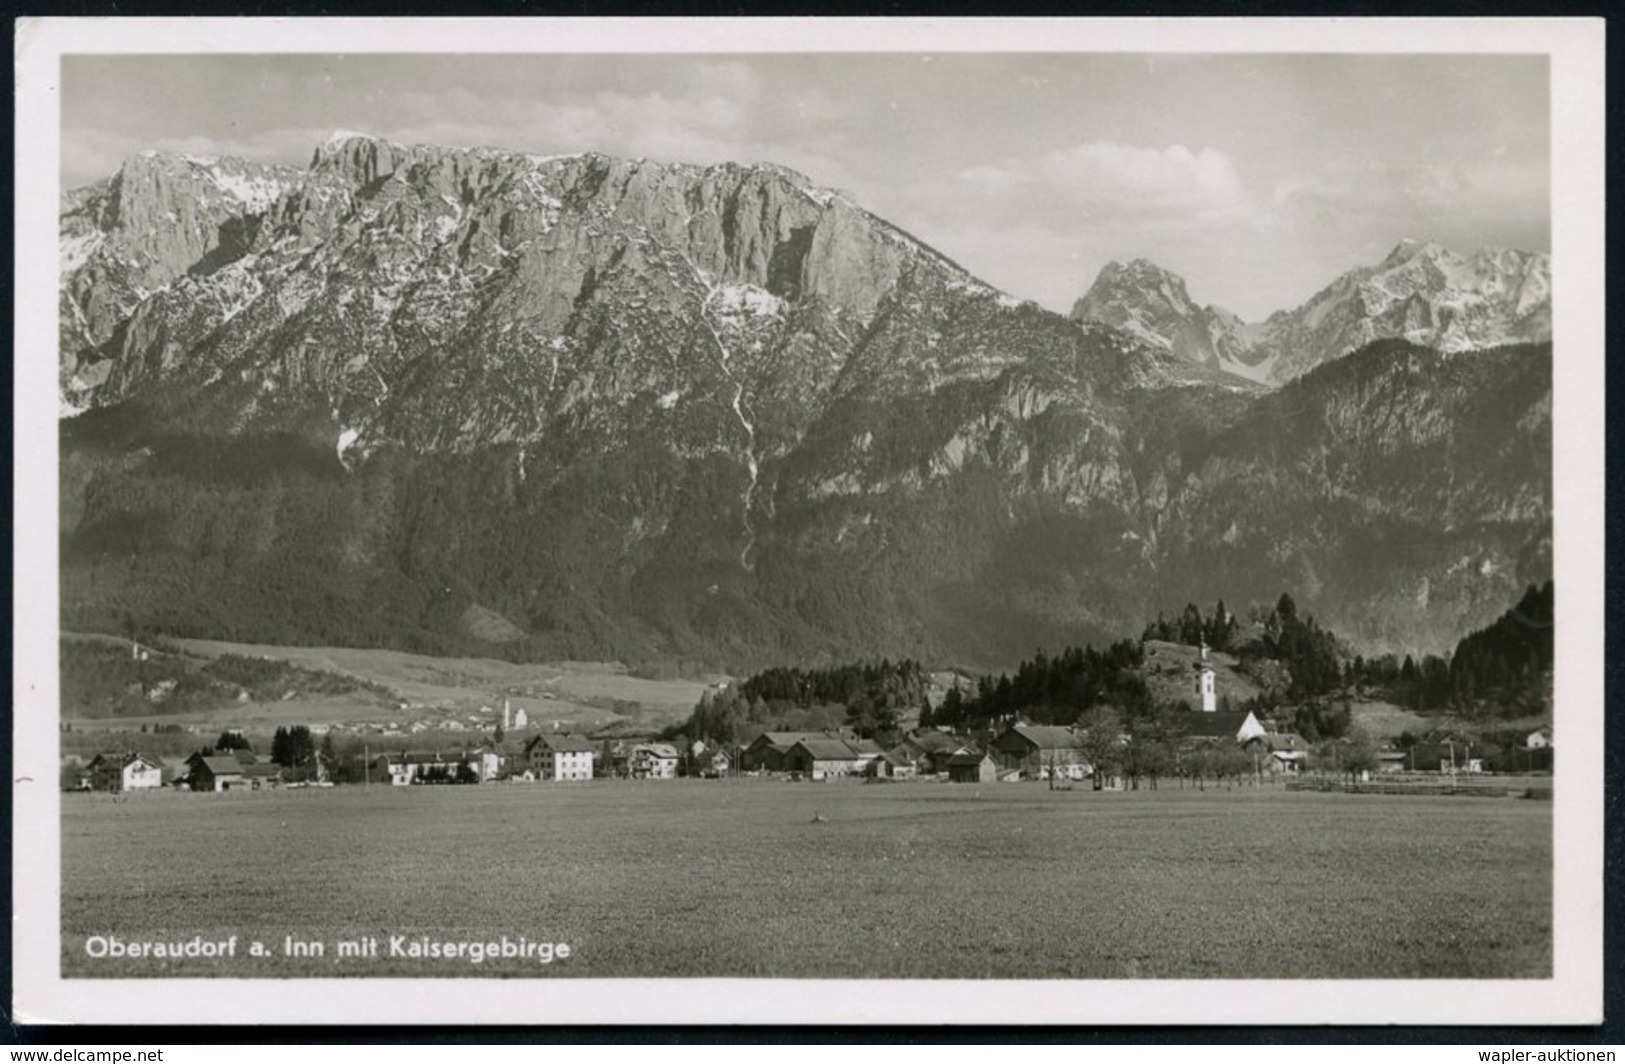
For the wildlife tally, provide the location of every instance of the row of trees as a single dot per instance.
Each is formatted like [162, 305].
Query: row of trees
[1054, 690]
[871, 698]
[1218, 630]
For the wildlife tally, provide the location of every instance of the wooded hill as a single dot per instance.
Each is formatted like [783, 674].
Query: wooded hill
[1289, 668]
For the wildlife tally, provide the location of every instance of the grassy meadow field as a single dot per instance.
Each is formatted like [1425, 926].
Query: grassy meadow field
[839, 880]
[580, 695]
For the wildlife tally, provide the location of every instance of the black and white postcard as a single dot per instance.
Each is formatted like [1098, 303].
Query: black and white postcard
[809, 521]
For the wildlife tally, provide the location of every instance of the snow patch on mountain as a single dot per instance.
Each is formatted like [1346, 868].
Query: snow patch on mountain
[254, 192]
[77, 249]
[746, 300]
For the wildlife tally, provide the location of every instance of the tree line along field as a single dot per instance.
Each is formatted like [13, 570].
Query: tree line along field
[763, 878]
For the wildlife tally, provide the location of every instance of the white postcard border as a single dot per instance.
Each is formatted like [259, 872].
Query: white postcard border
[1573, 995]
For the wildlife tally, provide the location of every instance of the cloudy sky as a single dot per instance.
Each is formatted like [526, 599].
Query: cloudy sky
[1258, 178]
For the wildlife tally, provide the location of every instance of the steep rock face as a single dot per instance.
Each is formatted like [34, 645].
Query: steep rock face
[1405, 485]
[161, 218]
[1423, 293]
[718, 414]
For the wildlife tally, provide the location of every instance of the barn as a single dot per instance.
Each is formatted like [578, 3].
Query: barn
[768, 751]
[826, 757]
[1034, 748]
[215, 773]
[972, 768]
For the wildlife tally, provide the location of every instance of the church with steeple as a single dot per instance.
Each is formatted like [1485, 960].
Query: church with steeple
[1205, 683]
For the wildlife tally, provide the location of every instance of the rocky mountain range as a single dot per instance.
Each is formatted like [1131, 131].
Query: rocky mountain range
[1421, 292]
[484, 401]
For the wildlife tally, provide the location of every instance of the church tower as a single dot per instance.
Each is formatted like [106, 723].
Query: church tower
[1205, 684]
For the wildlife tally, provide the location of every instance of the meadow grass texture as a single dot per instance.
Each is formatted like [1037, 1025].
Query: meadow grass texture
[836, 880]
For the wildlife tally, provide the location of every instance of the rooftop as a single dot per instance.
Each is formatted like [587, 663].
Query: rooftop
[1046, 736]
[827, 749]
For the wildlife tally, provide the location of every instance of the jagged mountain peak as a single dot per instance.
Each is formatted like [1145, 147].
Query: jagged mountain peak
[1153, 304]
[1145, 274]
[1410, 248]
[1421, 291]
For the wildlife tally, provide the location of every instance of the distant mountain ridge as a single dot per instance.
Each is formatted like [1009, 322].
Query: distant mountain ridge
[1421, 292]
[714, 414]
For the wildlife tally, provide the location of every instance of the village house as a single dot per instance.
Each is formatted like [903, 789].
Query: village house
[1539, 739]
[1035, 748]
[559, 757]
[711, 764]
[1278, 753]
[822, 758]
[654, 761]
[971, 767]
[124, 772]
[419, 766]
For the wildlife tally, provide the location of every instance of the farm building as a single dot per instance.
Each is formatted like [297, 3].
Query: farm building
[1539, 739]
[654, 761]
[217, 772]
[972, 768]
[769, 751]
[124, 772]
[1279, 752]
[559, 757]
[827, 757]
[1390, 760]
[1035, 747]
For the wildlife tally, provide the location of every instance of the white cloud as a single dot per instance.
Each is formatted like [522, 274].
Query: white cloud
[1151, 180]
[1103, 179]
